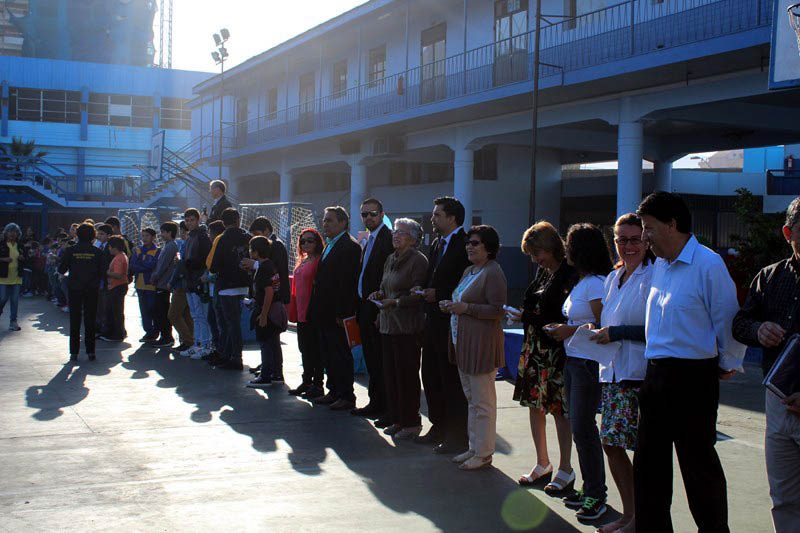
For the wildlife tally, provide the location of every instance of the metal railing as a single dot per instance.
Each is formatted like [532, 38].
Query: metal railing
[628, 29]
[783, 182]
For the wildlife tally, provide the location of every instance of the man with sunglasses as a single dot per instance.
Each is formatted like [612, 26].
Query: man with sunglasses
[377, 248]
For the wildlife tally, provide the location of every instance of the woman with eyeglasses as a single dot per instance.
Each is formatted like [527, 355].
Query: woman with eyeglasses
[587, 251]
[309, 250]
[476, 341]
[626, 291]
[401, 321]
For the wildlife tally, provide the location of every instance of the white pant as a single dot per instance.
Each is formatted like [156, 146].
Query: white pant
[783, 464]
[482, 422]
[199, 312]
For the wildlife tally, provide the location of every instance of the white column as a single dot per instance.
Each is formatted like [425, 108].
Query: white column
[287, 186]
[630, 143]
[358, 193]
[548, 187]
[663, 173]
[462, 181]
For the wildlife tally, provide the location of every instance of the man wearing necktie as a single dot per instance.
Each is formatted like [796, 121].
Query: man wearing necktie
[377, 249]
[447, 406]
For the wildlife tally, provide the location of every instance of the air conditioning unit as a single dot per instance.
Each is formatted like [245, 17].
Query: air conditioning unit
[386, 146]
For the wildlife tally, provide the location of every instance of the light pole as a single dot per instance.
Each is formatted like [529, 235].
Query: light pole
[219, 56]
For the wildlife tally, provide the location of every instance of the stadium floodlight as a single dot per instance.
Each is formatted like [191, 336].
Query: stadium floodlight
[217, 39]
[225, 34]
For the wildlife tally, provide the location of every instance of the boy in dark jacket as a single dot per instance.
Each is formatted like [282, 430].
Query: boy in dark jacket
[143, 262]
[83, 262]
[232, 286]
[195, 253]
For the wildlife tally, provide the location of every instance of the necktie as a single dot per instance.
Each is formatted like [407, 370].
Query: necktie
[440, 252]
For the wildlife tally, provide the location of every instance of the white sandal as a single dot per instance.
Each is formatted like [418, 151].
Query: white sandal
[561, 484]
[539, 474]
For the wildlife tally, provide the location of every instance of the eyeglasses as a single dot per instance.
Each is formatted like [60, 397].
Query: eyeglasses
[474, 244]
[622, 241]
[365, 214]
[307, 241]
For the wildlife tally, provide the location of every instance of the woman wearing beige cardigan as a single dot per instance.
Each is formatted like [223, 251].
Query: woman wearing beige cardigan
[476, 341]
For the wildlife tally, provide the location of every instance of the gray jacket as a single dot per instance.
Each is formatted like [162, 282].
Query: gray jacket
[165, 267]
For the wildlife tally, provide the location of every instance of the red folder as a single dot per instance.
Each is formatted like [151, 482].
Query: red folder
[352, 330]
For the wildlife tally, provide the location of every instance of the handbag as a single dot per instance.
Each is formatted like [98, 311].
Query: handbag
[278, 317]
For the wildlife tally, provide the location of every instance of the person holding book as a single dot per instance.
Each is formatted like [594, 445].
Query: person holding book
[767, 319]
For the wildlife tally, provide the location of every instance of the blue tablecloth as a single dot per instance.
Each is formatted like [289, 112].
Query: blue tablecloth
[513, 346]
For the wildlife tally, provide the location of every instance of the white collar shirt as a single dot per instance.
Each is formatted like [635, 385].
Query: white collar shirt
[625, 306]
[690, 309]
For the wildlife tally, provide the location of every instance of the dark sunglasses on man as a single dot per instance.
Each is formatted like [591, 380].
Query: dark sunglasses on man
[374, 213]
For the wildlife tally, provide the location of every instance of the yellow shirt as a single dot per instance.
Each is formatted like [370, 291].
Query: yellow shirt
[13, 267]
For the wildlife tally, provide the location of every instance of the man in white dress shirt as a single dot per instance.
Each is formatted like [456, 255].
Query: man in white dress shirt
[690, 347]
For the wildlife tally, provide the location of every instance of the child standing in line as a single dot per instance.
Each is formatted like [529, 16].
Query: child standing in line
[117, 276]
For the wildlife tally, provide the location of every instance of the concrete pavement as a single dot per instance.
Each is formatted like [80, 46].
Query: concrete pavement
[140, 440]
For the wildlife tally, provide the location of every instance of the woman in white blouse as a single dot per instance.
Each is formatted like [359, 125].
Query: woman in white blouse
[588, 251]
[626, 290]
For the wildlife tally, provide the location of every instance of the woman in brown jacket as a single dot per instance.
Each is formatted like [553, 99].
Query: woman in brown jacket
[476, 341]
[401, 323]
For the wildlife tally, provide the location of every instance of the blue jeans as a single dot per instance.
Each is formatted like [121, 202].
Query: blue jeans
[270, 350]
[10, 292]
[582, 384]
[147, 309]
[199, 312]
[231, 330]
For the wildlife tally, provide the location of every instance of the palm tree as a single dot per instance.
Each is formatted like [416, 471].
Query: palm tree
[18, 151]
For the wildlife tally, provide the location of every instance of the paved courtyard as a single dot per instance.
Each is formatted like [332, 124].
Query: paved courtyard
[140, 440]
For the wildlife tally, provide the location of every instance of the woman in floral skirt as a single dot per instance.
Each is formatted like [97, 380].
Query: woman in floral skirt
[540, 379]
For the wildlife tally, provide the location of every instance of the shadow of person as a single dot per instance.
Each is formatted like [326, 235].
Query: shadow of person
[68, 387]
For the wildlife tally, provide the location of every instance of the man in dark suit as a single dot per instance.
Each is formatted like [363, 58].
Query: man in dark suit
[334, 299]
[217, 190]
[447, 259]
[262, 226]
[378, 247]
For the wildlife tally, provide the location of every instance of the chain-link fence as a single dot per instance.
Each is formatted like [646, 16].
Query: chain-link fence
[288, 220]
[133, 221]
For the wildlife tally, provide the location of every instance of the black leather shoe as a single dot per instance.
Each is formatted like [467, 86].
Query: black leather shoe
[312, 393]
[446, 448]
[305, 387]
[431, 437]
[255, 370]
[367, 412]
[383, 422]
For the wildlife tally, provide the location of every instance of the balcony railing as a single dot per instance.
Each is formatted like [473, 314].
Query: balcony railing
[783, 182]
[628, 29]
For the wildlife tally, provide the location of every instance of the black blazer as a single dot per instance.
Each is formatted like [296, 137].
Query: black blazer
[280, 259]
[373, 273]
[334, 293]
[216, 210]
[445, 277]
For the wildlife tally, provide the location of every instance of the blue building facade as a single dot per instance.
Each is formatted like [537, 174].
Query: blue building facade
[96, 125]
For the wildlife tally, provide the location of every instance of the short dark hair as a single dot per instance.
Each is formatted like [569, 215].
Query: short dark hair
[117, 242]
[171, 228]
[105, 228]
[341, 213]
[666, 207]
[260, 245]
[261, 224]
[489, 238]
[588, 251]
[793, 213]
[85, 232]
[452, 208]
[219, 184]
[182, 225]
[215, 228]
[374, 201]
[230, 217]
[151, 231]
[632, 219]
[114, 221]
[191, 212]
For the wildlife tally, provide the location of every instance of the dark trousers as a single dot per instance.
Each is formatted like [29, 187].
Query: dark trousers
[231, 327]
[161, 315]
[338, 361]
[147, 309]
[308, 344]
[447, 405]
[401, 360]
[372, 347]
[213, 326]
[584, 393]
[82, 307]
[115, 299]
[102, 312]
[678, 405]
[270, 343]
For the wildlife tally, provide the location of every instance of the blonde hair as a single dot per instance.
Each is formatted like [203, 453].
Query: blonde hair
[543, 236]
